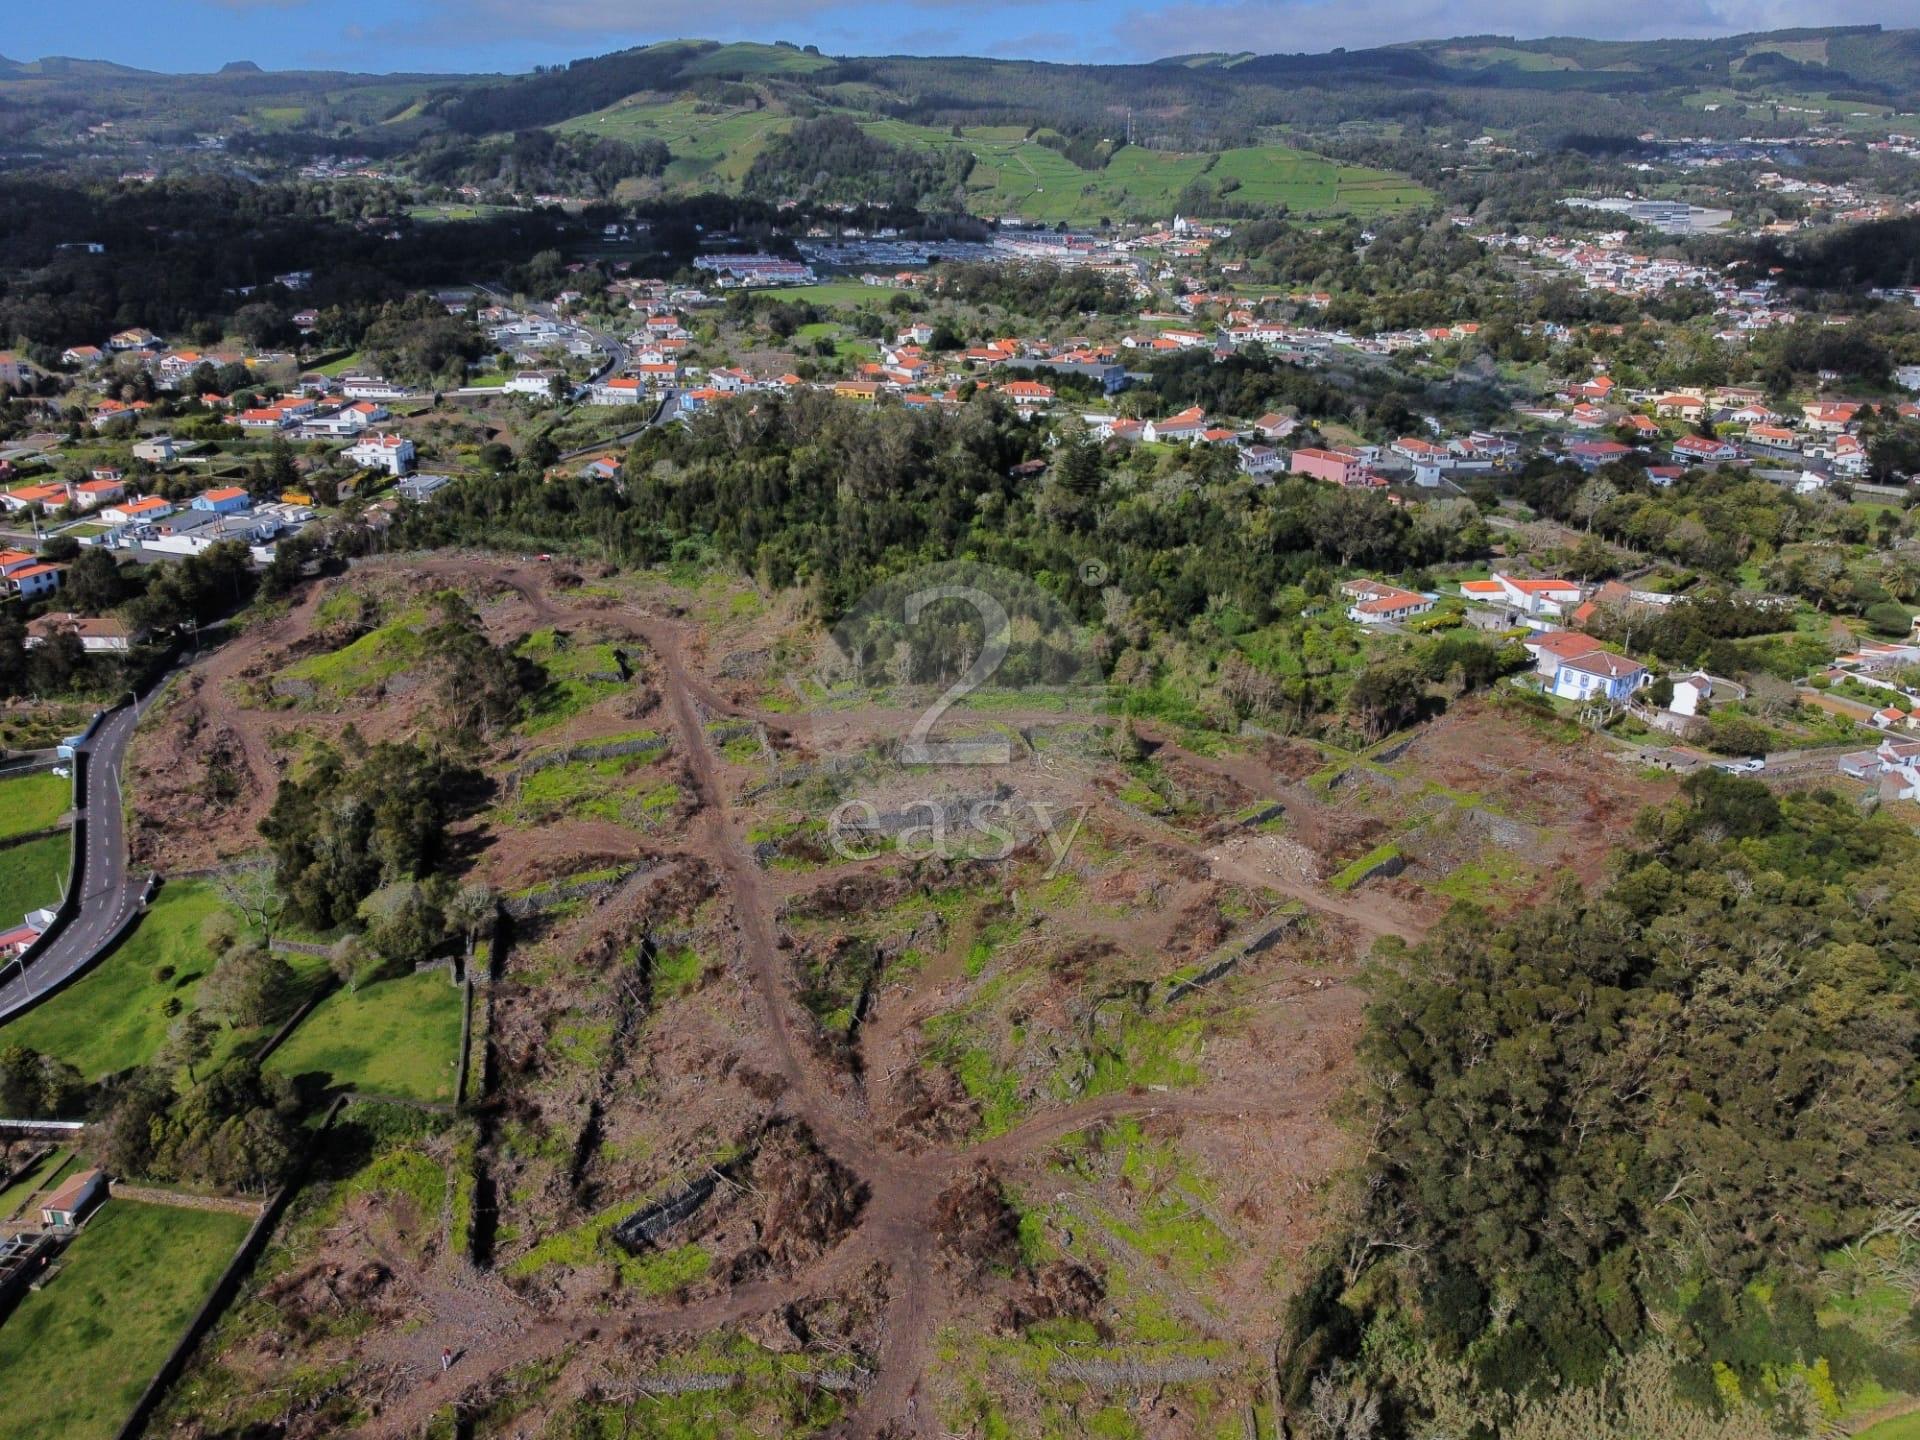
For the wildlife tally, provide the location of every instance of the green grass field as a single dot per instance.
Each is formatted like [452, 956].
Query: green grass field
[33, 802]
[43, 1176]
[397, 1037]
[112, 1018]
[92, 1338]
[1015, 175]
[1903, 1427]
[32, 875]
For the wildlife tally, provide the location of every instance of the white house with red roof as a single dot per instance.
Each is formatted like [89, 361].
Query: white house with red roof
[137, 512]
[1829, 417]
[1699, 450]
[391, 453]
[1541, 598]
[1186, 427]
[1375, 602]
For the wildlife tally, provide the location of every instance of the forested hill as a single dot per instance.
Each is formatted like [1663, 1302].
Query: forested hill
[1193, 102]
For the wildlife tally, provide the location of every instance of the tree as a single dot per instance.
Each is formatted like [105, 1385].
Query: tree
[1385, 696]
[249, 986]
[38, 1087]
[92, 584]
[256, 894]
[354, 962]
[189, 1041]
[1888, 618]
[471, 911]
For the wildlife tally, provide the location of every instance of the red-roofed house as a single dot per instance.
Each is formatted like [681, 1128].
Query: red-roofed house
[1550, 647]
[1830, 417]
[1599, 675]
[1374, 602]
[1342, 467]
[1543, 598]
[1699, 450]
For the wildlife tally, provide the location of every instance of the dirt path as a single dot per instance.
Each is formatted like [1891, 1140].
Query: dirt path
[494, 1330]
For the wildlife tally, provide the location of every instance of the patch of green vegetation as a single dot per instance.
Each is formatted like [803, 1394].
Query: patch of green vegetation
[675, 972]
[33, 802]
[1143, 1050]
[578, 677]
[1353, 873]
[616, 789]
[1901, 1427]
[93, 1337]
[1495, 877]
[395, 1037]
[42, 1174]
[33, 876]
[407, 1172]
[591, 1242]
[389, 649]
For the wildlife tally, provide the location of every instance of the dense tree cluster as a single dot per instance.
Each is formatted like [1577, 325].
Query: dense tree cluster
[536, 162]
[1612, 1117]
[832, 159]
[356, 821]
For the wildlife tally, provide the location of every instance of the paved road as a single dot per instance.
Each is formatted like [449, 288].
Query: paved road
[108, 894]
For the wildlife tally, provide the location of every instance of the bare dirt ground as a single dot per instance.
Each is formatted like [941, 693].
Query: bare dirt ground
[977, 1160]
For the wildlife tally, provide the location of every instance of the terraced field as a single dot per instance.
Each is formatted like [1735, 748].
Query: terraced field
[1014, 174]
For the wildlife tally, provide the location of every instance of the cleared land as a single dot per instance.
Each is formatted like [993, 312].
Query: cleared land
[1015, 174]
[977, 1122]
[79, 1351]
[396, 1037]
[33, 802]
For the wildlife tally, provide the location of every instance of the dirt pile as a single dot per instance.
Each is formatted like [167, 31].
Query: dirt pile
[800, 1202]
[975, 1225]
[1058, 1290]
[323, 1294]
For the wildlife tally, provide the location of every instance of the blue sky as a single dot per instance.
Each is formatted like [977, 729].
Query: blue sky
[382, 35]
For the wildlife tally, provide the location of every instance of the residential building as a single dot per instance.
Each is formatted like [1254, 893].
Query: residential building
[1342, 467]
[1259, 460]
[1552, 648]
[224, 500]
[156, 450]
[418, 488]
[1547, 599]
[1829, 417]
[1680, 407]
[391, 453]
[26, 498]
[70, 1204]
[137, 512]
[1699, 450]
[371, 387]
[92, 494]
[536, 384]
[30, 582]
[617, 390]
[1599, 675]
[1186, 427]
[1374, 602]
[98, 635]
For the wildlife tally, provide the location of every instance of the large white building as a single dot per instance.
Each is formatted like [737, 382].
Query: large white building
[390, 453]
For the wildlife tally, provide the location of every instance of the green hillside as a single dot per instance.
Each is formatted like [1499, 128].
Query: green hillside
[1013, 173]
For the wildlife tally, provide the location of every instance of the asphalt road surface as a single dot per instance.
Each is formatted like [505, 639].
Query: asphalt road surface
[108, 894]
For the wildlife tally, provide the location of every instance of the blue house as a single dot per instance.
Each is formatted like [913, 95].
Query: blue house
[1599, 675]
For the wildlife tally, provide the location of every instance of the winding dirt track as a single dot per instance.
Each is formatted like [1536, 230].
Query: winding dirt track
[494, 1331]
